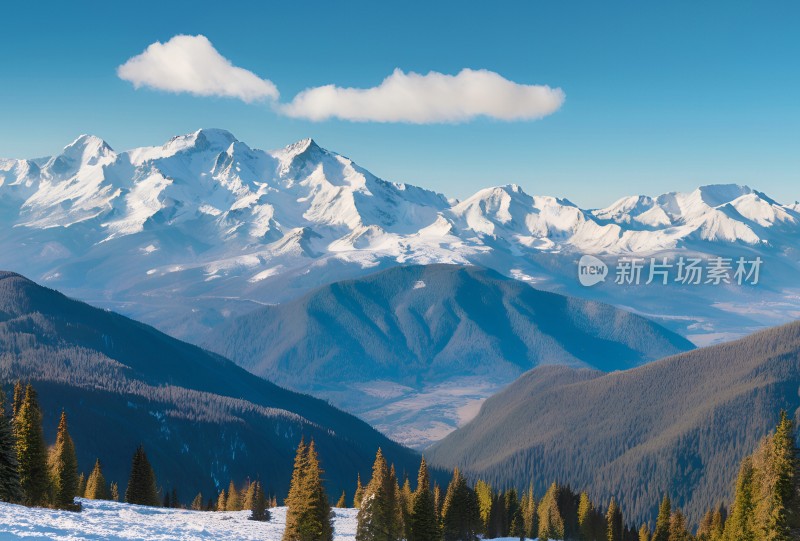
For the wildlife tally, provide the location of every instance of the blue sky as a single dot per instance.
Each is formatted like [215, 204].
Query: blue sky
[659, 96]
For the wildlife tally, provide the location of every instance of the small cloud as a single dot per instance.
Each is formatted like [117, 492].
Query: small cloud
[192, 64]
[426, 99]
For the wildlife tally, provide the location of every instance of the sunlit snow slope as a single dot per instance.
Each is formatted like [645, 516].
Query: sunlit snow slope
[186, 234]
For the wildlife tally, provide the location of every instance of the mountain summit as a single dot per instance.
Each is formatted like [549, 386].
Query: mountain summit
[204, 226]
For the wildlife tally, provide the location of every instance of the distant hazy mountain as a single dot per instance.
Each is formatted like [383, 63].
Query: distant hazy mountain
[203, 420]
[186, 234]
[412, 349]
[680, 425]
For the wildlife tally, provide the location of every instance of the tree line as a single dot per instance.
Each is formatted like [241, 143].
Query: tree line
[35, 476]
[766, 505]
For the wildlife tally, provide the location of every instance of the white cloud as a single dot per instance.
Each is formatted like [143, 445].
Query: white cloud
[426, 99]
[191, 64]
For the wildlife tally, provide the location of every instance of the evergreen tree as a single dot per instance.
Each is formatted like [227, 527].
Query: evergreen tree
[114, 492]
[717, 529]
[406, 507]
[10, 488]
[176, 502]
[529, 517]
[661, 533]
[784, 484]
[551, 523]
[258, 506]
[211, 505]
[308, 517]
[63, 466]
[461, 519]
[197, 502]
[644, 533]
[167, 503]
[96, 487]
[233, 501]
[379, 510]
[677, 528]
[31, 451]
[498, 517]
[484, 493]
[512, 513]
[81, 492]
[585, 518]
[437, 500]
[359, 493]
[424, 523]
[740, 525]
[614, 528]
[142, 481]
[19, 396]
[249, 494]
[222, 500]
[342, 503]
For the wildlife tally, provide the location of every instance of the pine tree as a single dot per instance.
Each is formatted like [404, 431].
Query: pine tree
[484, 493]
[233, 501]
[19, 396]
[661, 533]
[718, 524]
[249, 494]
[308, 517]
[10, 489]
[437, 500]
[81, 492]
[406, 507]
[614, 528]
[784, 498]
[379, 510]
[529, 517]
[551, 523]
[96, 487]
[167, 503]
[258, 508]
[740, 525]
[222, 500]
[114, 492]
[498, 517]
[142, 482]
[424, 524]
[359, 493]
[31, 451]
[644, 533]
[176, 503]
[63, 465]
[197, 502]
[512, 513]
[342, 503]
[677, 528]
[460, 513]
[585, 518]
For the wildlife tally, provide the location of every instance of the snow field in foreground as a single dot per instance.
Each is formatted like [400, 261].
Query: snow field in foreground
[112, 521]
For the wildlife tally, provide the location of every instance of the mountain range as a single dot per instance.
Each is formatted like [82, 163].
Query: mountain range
[415, 349]
[678, 426]
[202, 419]
[187, 234]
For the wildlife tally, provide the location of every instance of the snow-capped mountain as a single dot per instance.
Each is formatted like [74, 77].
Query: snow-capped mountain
[202, 227]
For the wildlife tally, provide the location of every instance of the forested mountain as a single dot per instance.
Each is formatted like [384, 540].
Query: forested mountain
[678, 426]
[202, 419]
[408, 347]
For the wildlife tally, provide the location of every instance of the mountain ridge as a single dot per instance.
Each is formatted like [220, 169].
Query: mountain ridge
[409, 347]
[181, 234]
[202, 419]
[679, 425]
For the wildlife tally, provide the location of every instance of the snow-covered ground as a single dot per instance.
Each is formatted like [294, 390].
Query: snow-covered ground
[114, 521]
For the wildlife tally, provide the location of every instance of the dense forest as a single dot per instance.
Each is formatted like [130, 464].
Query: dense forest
[766, 505]
[683, 423]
